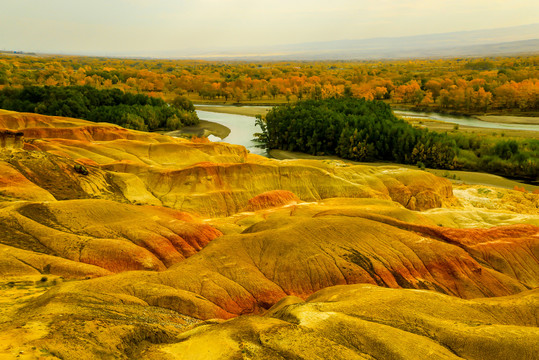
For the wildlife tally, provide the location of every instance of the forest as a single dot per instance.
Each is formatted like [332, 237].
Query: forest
[132, 111]
[367, 130]
[468, 86]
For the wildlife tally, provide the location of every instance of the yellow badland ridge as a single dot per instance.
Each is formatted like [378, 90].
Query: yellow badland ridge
[123, 244]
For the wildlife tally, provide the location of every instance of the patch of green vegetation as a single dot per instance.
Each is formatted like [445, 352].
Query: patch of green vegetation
[355, 129]
[362, 130]
[483, 191]
[507, 157]
[81, 169]
[132, 111]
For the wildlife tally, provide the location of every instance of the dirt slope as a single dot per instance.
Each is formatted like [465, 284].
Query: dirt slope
[166, 246]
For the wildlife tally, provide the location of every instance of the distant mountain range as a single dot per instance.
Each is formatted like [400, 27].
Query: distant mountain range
[501, 41]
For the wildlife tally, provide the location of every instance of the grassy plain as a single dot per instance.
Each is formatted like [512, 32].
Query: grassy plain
[262, 101]
[440, 126]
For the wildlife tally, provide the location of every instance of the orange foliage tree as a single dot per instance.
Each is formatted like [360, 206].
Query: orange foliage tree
[477, 85]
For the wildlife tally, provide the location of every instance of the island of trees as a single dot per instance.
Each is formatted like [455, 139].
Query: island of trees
[365, 130]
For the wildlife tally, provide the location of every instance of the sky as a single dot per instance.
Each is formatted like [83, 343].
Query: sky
[175, 28]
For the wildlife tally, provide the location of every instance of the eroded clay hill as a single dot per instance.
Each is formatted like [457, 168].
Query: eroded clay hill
[202, 178]
[112, 236]
[164, 245]
[369, 322]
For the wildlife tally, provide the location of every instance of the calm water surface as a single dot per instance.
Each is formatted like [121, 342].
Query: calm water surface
[242, 129]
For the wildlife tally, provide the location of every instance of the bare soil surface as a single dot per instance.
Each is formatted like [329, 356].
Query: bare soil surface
[456, 176]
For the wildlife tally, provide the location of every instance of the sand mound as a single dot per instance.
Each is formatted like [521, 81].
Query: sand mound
[366, 322]
[112, 236]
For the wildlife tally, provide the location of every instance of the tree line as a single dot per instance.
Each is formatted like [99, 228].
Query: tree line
[132, 111]
[365, 130]
[449, 85]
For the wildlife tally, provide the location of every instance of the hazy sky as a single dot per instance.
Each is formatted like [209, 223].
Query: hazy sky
[144, 27]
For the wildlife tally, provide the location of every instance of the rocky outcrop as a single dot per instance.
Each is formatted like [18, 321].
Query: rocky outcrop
[15, 186]
[11, 139]
[15, 262]
[114, 237]
[271, 199]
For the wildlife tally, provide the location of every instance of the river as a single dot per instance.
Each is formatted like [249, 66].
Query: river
[242, 129]
[466, 121]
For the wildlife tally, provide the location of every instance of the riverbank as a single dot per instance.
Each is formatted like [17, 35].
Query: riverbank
[203, 129]
[237, 110]
[509, 119]
[441, 126]
[456, 176]
[499, 116]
